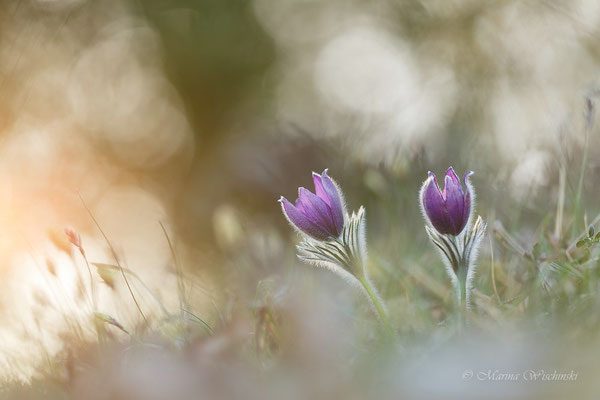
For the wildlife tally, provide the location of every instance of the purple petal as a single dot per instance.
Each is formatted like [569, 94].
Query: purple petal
[319, 189]
[455, 205]
[319, 215]
[467, 207]
[455, 181]
[448, 210]
[335, 201]
[317, 211]
[301, 221]
[434, 205]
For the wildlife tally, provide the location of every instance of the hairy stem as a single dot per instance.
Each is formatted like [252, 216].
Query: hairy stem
[377, 304]
[461, 295]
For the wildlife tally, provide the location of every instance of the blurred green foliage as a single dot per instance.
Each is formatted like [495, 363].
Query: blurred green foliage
[217, 54]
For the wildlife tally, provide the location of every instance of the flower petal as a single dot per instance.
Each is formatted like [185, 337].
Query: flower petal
[317, 211]
[319, 189]
[456, 182]
[336, 201]
[298, 219]
[434, 205]
[455, 205]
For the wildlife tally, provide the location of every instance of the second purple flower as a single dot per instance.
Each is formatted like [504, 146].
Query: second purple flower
[448, 210]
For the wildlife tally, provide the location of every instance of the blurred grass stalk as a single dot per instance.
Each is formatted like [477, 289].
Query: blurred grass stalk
[579, 223]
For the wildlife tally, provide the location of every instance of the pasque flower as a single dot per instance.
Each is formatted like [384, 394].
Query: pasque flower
[448, 215]
[332, 238]
[449, 210]
[319, 215]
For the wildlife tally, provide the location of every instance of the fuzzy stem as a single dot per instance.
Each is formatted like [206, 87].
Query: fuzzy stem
[376, 303]
[357, 267]
[461, 295]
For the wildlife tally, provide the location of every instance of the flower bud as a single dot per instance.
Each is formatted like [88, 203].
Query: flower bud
[320, 215]
[448, 211]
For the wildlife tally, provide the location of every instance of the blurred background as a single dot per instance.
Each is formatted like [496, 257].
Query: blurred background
[199, 114]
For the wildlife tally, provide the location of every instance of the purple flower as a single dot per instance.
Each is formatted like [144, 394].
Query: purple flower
[449, 210]
[320, 215]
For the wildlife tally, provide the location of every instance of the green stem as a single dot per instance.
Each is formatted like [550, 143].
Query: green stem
[461, 296]
[377, 304]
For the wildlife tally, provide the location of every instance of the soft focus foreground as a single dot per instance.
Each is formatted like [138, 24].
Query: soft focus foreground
[163, 134]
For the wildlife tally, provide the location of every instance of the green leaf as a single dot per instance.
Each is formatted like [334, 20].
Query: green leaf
[565, 269]
[591, 231]
[580, 243]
